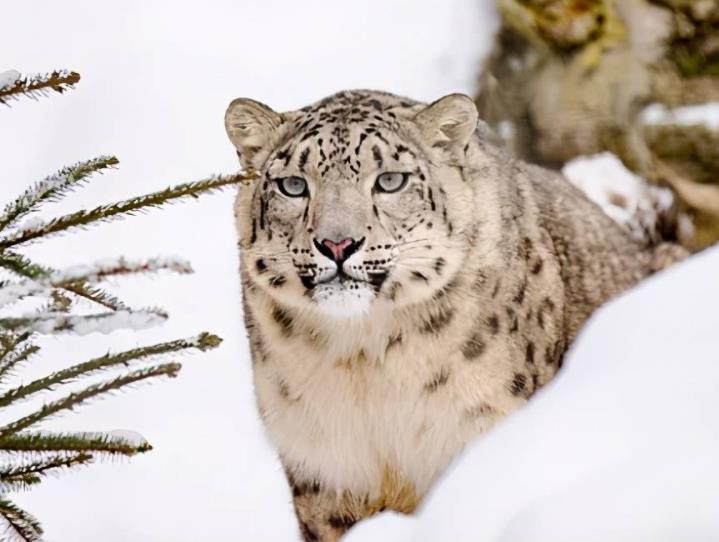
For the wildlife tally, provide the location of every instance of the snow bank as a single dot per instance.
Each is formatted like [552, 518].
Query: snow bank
[623, 195]
[622, 445]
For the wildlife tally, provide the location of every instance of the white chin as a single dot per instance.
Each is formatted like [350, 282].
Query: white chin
[343, 300]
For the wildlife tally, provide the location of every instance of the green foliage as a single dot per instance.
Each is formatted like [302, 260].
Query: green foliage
[31, 454]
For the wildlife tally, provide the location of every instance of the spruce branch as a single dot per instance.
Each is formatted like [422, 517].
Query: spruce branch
[72, 400]
[20, 524]
[37, 85]
[53, 188]
[53, 322]
[81, 275]
[20, 476]
[202, 342]
[95, 443]
[14, 358]
[22, 266]
[123, 208]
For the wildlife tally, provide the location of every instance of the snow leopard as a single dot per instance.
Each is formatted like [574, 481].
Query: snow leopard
[406, 284]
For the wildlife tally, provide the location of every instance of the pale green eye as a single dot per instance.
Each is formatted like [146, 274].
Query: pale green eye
[391, 182]
[293, 187]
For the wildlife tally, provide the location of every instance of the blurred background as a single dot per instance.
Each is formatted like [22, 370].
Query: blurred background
[622, 95]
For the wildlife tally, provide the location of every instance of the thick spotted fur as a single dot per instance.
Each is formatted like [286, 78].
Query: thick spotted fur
[467, 288]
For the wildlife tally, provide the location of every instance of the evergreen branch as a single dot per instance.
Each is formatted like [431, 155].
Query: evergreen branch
[127, 207]
[53, 322]
[11, 360]
[20, 265]
[27, 442]
[21, 525]
[83, 274]
[53, 188]
[34, 86]
[202, 342]
[20, 482]
[25, 474]
[75, 399]
[9, 342]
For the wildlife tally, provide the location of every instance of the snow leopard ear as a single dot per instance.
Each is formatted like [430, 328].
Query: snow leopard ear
[448, 122]
[253, 129]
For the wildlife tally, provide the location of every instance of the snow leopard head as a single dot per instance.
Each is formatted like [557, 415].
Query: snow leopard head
[359, 199]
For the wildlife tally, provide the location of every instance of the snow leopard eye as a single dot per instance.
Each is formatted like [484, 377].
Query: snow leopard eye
[293, 187]
[391, 182]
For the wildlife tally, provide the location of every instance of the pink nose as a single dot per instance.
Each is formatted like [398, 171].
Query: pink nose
[338, 249]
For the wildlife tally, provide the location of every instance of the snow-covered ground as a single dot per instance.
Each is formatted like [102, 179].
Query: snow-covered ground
[156, 79]
[621, 446]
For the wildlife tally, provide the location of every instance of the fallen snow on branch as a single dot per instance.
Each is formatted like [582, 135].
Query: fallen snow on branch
[120, 266]
[47, 323]
[8, 77]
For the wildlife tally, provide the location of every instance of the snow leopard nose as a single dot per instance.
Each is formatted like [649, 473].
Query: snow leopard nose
[338, 251]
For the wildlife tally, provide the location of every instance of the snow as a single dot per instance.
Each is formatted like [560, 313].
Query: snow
[120, 265]
[155, 85]
[8, 77]
[52, 322]
[703, 114]
[623, 195]
[621, 445]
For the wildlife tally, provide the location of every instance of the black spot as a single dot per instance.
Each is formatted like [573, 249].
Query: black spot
[299, 489]
[439, 264]
[283, 319]
[261, 266]
[519, 297]
[537, 267]
[341, 522]
[377, 155]
[393, 290]
[529, 354]
[474, 346]
[477, 411]
[303, 159]
[438, 380]
[493, 323]
[283, 389]
[438, 321]
[514, 325]
[308, 535]
[277, 281]
[416, 275]
[394, 340]
[518, 384]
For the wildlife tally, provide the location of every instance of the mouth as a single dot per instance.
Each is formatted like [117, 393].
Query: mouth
[342, 279]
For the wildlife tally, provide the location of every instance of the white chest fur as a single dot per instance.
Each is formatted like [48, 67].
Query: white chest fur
[344, 420]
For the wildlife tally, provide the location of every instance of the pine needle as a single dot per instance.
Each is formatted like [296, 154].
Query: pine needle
[202, 342]
[77, 398]
[37, 85]
[53, 188]
[20, 525]
[29, 442]
[120, 209]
